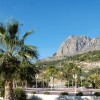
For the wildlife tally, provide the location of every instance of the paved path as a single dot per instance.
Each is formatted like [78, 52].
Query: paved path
[71, 91]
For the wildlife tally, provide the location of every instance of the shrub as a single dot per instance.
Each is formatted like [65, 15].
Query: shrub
[2, 92]
[79, 94]
[19, 94]
[97, 93]
[33, 92]
[86, 84]
[64, 93]
[46, 92]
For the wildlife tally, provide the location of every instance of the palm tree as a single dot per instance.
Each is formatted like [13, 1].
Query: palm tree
[15, 56]
[94, 76]
[50, 71]
[68, 69]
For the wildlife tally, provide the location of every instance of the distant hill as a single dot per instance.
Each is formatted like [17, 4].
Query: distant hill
[87, 60]
[88, 56]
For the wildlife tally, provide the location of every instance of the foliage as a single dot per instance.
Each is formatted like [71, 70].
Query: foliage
[79, 94]
[97, 93]
[86, 84]
[1, 88]
[68, 83]
[46, 92]
[94, 77]
[16, 57]
[65, 72]
[52, 70]
[68, 69]
[33, 92]
[19, 94]
[14, 53]
[63, 93]
[49, 71]
[1, 92]
[89, 56]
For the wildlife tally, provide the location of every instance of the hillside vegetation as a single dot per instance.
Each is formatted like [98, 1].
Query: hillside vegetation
[86, 64]
[91, 56]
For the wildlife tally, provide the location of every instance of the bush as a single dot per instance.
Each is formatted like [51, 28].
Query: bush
[86, 84]
[33, 92]
[2, 92]
[64, 93]
[79, 94]
[97, 93]
[46, 92]
[19, 94]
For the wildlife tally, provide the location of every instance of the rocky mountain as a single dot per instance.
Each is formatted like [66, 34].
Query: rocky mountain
[77, 45]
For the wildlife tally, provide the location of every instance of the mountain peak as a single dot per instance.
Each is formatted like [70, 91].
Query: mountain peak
[73, 36]
[78, 44]
[78, 37]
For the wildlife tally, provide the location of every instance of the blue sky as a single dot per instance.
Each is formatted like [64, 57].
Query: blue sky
[53, 20]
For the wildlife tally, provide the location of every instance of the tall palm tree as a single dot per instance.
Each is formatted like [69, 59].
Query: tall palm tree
[52, 71]
[15, 55]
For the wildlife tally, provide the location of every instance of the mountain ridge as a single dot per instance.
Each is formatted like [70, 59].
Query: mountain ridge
[74, 45]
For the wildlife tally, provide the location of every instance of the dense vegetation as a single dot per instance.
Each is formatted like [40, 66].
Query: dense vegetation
[89, 56]
[66, 67]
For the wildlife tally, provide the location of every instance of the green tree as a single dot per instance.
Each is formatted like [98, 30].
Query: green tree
[50, 71]
[93, 76]
[68, 69]
[15, 56]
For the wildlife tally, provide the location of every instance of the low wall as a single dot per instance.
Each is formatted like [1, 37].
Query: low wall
[58, 97]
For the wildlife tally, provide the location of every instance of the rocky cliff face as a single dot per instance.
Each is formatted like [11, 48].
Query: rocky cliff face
[77, 45]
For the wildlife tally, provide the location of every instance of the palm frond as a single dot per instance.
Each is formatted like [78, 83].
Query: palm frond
[1, 51]
[30, 51]
[13, 29]
[1, 56]
[2, 33]
[2, 29]
[28, 56]
[21, 41]
[26, 34]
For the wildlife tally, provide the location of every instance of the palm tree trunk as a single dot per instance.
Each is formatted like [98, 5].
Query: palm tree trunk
[16, 84]
[13, 84]
[53, 82]
[26, 84]
[8, 95]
